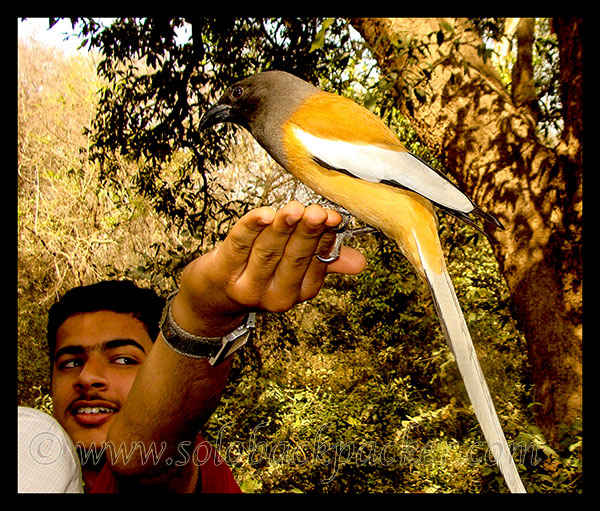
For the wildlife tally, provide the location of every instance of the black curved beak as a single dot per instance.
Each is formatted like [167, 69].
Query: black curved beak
[216, 114]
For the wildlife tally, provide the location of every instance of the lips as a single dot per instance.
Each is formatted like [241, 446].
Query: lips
[92, 413]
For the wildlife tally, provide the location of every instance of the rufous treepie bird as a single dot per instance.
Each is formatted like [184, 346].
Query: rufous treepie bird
[349, 156]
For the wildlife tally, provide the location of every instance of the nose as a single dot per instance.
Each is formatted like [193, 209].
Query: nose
[91, 376]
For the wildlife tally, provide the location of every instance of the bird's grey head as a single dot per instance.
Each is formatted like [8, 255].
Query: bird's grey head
[261, 102]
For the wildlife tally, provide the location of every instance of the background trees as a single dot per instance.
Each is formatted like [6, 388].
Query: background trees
[330, 385]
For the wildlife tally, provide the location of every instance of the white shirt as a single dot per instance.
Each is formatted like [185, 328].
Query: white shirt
[47, 462]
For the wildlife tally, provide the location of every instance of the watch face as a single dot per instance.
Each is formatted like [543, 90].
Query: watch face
[230, 347]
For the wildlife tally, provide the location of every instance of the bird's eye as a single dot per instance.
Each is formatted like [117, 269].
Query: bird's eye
[237, 92]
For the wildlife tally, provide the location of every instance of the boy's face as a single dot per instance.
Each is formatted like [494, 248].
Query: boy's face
[97, 357]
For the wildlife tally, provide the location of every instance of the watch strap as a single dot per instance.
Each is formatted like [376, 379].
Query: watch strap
[216, 349]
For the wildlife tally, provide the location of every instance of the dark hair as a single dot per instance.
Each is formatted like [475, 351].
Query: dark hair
[112, 295]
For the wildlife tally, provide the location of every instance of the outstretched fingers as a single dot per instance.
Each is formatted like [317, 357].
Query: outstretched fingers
[270, 246]
[299, 275]
[267, 262]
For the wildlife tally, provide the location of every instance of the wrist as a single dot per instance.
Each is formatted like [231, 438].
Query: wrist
[202, 319]
[202, 305]
[214, 348]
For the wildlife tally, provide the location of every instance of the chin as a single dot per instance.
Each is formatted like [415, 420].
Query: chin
[89, 438]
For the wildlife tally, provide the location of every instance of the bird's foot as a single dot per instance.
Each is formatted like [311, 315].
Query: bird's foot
[343, 212]
[341, 235]
[346, 219]
[341, 231]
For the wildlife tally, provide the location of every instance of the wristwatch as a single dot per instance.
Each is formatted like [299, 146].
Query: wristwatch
[216, 349]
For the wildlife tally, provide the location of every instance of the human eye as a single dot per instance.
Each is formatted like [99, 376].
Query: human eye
[125, 360]
[69, 363]
[125, 352]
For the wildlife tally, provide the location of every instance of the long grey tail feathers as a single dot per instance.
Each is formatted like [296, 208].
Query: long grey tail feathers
[459, 339]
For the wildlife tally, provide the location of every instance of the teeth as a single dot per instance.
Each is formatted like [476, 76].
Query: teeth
[95, 409]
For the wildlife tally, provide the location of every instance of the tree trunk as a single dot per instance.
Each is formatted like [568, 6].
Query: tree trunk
[486, 137]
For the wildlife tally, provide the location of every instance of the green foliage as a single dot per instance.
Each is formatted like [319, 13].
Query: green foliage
[557, 470]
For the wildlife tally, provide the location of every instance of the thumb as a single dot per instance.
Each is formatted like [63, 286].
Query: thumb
[350, 262]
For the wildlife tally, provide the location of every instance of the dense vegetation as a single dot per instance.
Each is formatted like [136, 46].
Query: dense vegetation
[355, 391]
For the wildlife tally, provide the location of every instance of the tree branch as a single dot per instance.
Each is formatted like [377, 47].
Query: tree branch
[569, 32]
[523, 86]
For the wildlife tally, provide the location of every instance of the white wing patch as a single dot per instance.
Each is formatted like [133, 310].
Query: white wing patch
[376, 164]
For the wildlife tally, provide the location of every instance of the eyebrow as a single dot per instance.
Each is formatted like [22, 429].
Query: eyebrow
[77, 349]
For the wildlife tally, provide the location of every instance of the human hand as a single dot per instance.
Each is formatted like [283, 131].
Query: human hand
[266, 263]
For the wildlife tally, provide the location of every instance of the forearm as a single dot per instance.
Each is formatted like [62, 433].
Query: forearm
[172, 397]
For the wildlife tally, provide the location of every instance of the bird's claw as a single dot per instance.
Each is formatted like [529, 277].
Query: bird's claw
[346, 219]
[341, 233]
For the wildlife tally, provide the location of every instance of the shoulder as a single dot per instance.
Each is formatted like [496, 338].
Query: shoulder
[48, 462]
